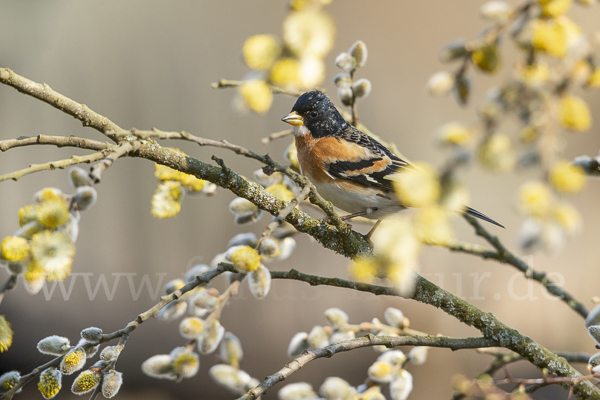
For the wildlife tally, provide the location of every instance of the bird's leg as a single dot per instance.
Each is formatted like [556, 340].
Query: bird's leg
[368, 237]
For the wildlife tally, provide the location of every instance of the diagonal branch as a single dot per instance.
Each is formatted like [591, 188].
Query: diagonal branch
[365, 341]
[503, 255]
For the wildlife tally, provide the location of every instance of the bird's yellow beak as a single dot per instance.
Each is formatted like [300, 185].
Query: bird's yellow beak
[293, 118]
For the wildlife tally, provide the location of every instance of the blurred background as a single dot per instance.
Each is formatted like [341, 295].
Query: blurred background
[144, 64]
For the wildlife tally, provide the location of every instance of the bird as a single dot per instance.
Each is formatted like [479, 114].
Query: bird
[349, 168]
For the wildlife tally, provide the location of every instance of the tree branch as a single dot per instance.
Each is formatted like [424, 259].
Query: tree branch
[503, 255]
[58, 141]
[227, 83]
[367, 340]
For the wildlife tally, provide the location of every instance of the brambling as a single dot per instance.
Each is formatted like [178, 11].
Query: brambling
[348, 168]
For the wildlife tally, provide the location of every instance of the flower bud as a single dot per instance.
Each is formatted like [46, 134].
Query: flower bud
[440, 83]
[567, 178]
[245, 259]
[247, 219]
[341, 336]
[73, 361]
[173, 286]
[298, 344]
[54, 345]
[79, 177]
[110, 353]
[111, 383]
[191, 327]
[209, 189]
[186, 364]
[401, 386]
[90, 351]
[335, 388]
[9, 380]
[159, 366]
[393, 357]
[381, 372]
[362, 88]
[296, 391]
[243, 239]
[242, 208]
[86, 382]
[342, 80]
[257, 95]
[92, 334]
[336, 318]
[345, 62]
[211, 337]
[13, 248]
[230, 378]
[418, 355]
[593, 317]
[172, 311]
[594, 332]
[48, 194]
[230, 350]
[50, 382]
[85, 197]
[461, 89]
[286, 247]
[358, 51]
[268, 247]
[496, 11]
[318, 338]
[346, 95]
[394, 317]
[259, 282]
[486, 58]
[205, 301]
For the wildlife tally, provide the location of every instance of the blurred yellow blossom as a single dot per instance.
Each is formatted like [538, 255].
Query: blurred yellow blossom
[281, 192]
[432, 225]
[497, 153]
[309, 33]
[257, 95]
[567, 177]
[554, 8]
[574, 114]
[312, 72]
[547, 35]
[166, 201]
[535, 199]
[594, 79]
[53, 252]
[286, 72]
[261, 51]
[53, 213]
[534, 74]
[6, 334]
[364, 269]
[528, 134]
[14, 248]
[486, 58]
[417, 187]
[568, 217]
[27, 214]
[455, 133]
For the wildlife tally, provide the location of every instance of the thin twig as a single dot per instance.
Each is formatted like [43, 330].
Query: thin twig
[275, 136]
[8, 285]
[58, 141]
[367, 340]
[121, 150]
[227, 83]
[282, 215]
[503, 255]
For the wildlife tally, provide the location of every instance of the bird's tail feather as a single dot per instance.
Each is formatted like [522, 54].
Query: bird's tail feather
[474, 213]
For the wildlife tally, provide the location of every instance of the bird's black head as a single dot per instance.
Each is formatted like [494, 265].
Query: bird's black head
[315, 111]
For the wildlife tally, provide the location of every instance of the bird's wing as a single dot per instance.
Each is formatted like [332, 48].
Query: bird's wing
[361, 159]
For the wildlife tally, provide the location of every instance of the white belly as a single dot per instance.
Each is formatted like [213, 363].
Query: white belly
[355, 202]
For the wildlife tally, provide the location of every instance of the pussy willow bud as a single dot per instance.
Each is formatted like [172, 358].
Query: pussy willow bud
[242, 207]
[259, 282]
[230, 350]
[342, 336]
[159, 366]
[393, 357]
[298, 344]
[86, 382]
[345, 62]
[229, 378]
[204, 300]
[186, 364]
[48, 194]
[286, 247]
[362, 88]
[79, 177]
[244, 258]
[336, 318]
[453, 50]
[73, 361]
[110, 353]
[268, 247]
[172, 311]
[90, 351]
[243, 239]
[111, 383]
[462, 89]
[191, 327]
[54, 345]
[496, 11]
[335, 388]
[359, 52]
[91, 334]
[9, 380]
[394, 317]
[346, 95]
[594, 332]
[342, 80]
[381, 372]
[211, 337]
[296, 391]
[401, 386]
[173, 285]
[418, 355]
[50, 382]
[440, 83]
[593, 317]
[85, 197]
[195, 271]
[318, 337]
[209, 189]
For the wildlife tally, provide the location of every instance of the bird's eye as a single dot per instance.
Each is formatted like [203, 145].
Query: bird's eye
[314, 114]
